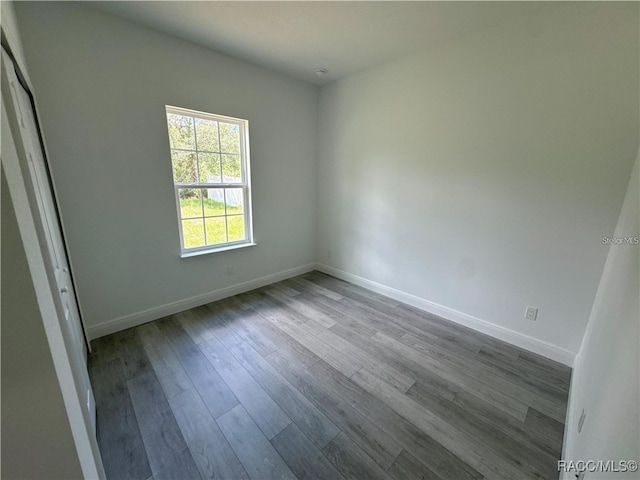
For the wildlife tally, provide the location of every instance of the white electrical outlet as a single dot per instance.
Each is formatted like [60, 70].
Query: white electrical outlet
[531, 313]
[329, 254]
[229, 269]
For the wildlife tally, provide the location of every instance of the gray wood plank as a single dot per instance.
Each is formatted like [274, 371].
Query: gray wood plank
[519, 431]
[412, 368]
[407, 467]
[161, 435]
[407, 435]
[514, 406]
[262, 408]
[348, 419]
[119, 437]
[459, 442]
[302, 456]
[311, 287]
[479, 407]
[305, 414]
[170, 373]
[285, 345]
[522, 455]
[183, 467]
[340, 360]
[535, 396]
[220, 318]
[211, 452]
[257, 455]
[548, 428]
[243, 324]
[198, 329]
[351, 461]
[301, 307]
[391, 375]
[132, 356]
[103, 350]
[214, 391]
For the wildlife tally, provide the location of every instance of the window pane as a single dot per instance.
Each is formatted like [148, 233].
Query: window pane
[216, 230]
[229, 138]
[236, 227]
[231, 172]
[207, 133]
[181, 131]
[190, 202]
[213, 201]
[185, 168]
[234, 198]
[193, 233]
[209, 167]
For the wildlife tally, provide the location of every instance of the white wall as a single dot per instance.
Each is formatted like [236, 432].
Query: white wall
[481, 175]
[606, 381]
[101, 85]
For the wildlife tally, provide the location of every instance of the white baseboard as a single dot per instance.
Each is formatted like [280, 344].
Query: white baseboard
[534, 345]
[128, 321]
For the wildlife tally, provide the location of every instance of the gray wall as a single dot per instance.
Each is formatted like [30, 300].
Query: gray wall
[481, 175]
[606, 380]
[101, 85]
[36, 437]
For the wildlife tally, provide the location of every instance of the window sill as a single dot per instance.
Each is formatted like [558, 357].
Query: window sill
[208, 251]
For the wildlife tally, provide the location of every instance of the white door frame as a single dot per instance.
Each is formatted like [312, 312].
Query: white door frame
[13, 162]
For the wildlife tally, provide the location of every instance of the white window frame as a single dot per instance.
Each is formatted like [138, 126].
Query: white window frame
[245, 184]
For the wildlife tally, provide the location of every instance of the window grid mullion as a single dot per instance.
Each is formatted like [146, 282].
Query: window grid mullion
[220, 155]
[201, 187]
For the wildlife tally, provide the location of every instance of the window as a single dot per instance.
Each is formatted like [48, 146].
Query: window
[210, 160]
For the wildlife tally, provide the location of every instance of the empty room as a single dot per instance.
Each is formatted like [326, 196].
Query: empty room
[320, 240]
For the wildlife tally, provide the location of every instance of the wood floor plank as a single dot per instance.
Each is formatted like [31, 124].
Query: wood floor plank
[285, 345]
[132, 356]
[119, 437]
[342, 361]
[302, 308]
[523, 455]
[357, 426]
[214, 391]
[334, 379]
[476, 454]
[211, 452]
[391, 375]
[437, 458]
[192, 323]
[411, 368]
[509, 426]
[514, 406]
[407, 467]
[341, 315]
[302, 456]
[529, 394]
[302, 283]
[183, 467]
[305, 414]
[161, 435]
[219, 319]
[547, 428]
[263, 409]
[351, 461]
[244, 323]
[170, 373]
[257, 455]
